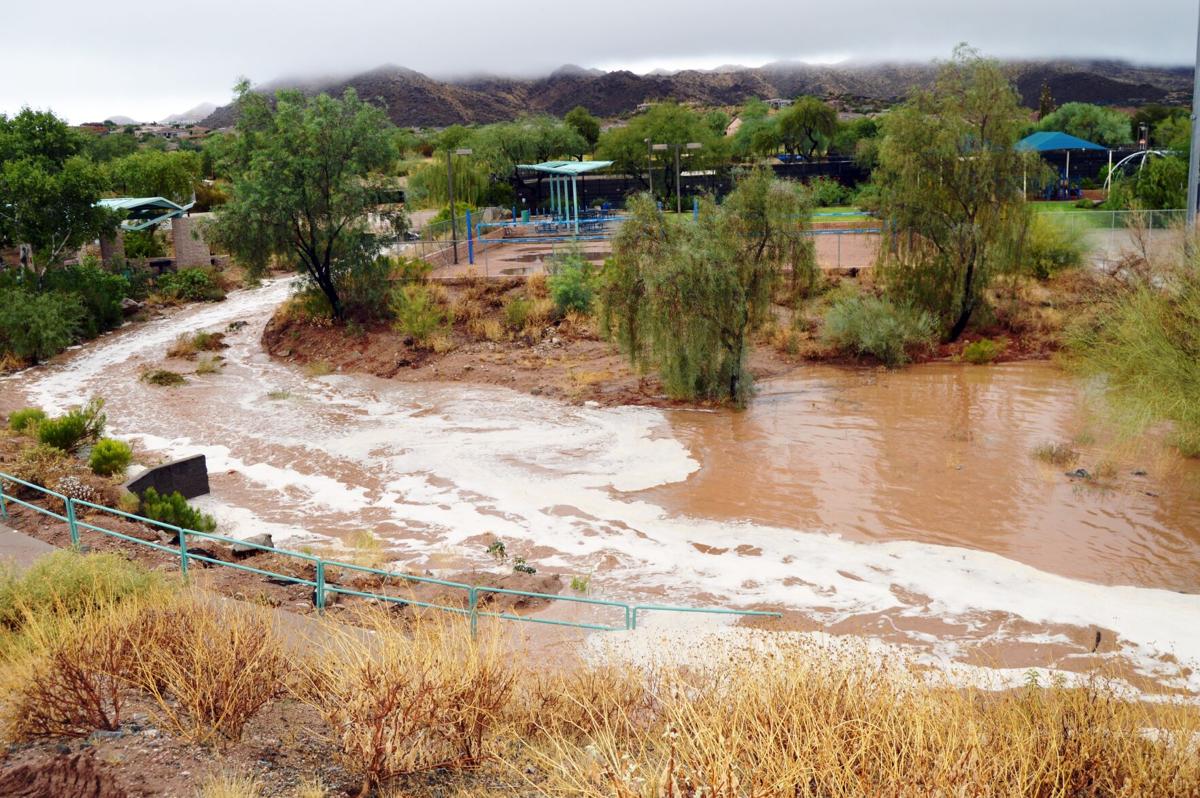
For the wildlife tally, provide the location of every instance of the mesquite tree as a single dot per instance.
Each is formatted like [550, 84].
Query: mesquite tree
[302, 186]
[683, 299]
[950, 189]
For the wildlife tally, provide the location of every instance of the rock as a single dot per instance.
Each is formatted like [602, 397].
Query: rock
[248, 547]
[536, 391]
[104, 734]
[130, 306]
[1139, 472]
[1079, 473]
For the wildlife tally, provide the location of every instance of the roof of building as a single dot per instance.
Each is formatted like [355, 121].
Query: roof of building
[568, 168]
[143, 212]
[1054, 141]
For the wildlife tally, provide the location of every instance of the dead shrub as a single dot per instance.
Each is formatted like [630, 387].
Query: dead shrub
[400, 699]
[210, 667]
[487, 330]
[536, 286]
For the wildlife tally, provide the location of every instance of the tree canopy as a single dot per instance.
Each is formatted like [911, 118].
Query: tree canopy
[949, 182]
[302, 186]
[1093, 123]
[154, 173]
[806, 126]
[663, 123]
[584, 124]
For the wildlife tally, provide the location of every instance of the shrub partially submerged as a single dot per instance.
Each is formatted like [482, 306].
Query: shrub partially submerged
[173, 509]
[26, 418]
[878, 327]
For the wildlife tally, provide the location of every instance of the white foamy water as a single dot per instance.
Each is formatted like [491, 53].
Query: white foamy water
[437, 469]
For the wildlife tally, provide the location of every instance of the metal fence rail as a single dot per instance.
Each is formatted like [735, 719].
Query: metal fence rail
[321, 586]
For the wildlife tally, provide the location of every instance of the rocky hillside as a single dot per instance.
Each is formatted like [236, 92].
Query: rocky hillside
[413, 99]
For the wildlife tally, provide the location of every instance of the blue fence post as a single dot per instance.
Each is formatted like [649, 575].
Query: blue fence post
[320, 597]
[470, 240]
[628, 617]
[183, 552]
[695, 208]
[71, 524]
[473, 597]
[633, 618]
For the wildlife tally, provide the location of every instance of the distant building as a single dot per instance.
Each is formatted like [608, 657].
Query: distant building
[778, 103]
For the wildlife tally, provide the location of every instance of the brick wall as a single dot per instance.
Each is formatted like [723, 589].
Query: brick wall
[190, 246]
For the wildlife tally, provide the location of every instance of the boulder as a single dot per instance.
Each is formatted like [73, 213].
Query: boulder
[248, 547]
[130, 306]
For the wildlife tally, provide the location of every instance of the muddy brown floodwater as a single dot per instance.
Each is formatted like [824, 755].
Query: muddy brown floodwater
[905, 506]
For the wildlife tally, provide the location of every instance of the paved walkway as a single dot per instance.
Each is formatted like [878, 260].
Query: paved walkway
[20, 550]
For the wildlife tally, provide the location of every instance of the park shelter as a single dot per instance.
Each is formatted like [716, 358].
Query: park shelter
[564, 185]
[143, 212]
[1048, 141]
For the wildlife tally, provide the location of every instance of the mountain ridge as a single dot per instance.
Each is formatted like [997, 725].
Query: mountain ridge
[413, 99]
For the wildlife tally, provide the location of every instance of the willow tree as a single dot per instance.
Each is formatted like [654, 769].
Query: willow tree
[684, 299]
[302, 170]
[950, 189]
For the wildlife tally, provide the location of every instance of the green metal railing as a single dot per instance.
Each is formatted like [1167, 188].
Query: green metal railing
[322, 587]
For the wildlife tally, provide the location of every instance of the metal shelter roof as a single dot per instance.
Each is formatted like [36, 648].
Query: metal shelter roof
[1054, 141]
[143, 212]
[566, 168]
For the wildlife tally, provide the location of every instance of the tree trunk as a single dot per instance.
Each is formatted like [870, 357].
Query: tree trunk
[967, 307]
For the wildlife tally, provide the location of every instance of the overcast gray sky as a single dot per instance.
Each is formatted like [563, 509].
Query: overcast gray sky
[87, 59]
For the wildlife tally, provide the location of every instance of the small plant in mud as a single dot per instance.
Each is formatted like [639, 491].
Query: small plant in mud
[163, 377]
[26, 418]
[1056, 454]
[516, 312]
[983, 351]
[418, 313]
[581, 584]
[173, 509]
[279, 396]
[520, 566]
[109, 457]
[208, 365]
[318, 368]
[498, 551]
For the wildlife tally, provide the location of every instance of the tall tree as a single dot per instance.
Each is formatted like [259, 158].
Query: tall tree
[1094, 123]
[302, 186]
[806, 126]
[48, 190]
[154, 173]
[586, 125]
[949, 183]
[684, 299]
[664, 123]
[1046, 104]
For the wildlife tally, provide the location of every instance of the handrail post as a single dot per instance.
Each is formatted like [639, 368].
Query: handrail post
[183, 552]
[320, 596]
[71, 524]
[628, 617]
[3, 503]
[633, 618]
[473, 597]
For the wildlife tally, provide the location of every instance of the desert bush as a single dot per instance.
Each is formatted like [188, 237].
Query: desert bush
[21, 420]
[1051, 246]
[486, 329]
[409, 698]
[827, 191]
[109, 457]
[189, 285]
[99, 293]
[186, 346]
[364, 288]
[163, 377]
[876, 326]
[983, 351]
[1059, 454]
[231, 785]
[174, 510]
[147, 243]
[36, 326]
[516, 312]
[70, 583]
[417, 313]
[75, 428]
[211, 667]
[571, 285]
[208, 365]
[41, 464]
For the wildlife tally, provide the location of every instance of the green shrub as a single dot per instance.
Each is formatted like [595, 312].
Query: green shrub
[827, 191]
[66, 582]
[110, 457]
[571, 285]
[147, 243]
[190, 285]
[173, 509]
[417, 312]
[163, 377]
[20, 420]
[364, 288]
[983, 351]
[78, 426]
[36, 326]
[516, 312]
[876, 326]
[99, 292]
[1052, 246]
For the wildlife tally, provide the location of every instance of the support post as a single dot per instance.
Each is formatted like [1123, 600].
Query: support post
[450, 191]
[319, 596]
[470, 240]
[473, 597]
[3, 503]
[183, 551]
[678, 187]
[650, 167]
[695, 209]
[72, 525]
[1194, 156]
[575, 202]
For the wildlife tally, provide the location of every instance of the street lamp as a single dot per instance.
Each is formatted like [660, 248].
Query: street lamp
[450, 187]
[691, 145]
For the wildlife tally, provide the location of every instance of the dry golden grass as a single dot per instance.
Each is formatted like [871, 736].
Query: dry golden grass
[487, 330]
[184, 347]
[541, 312]
[408, 698]
[229, 785]
[441, 343]
[536, 286]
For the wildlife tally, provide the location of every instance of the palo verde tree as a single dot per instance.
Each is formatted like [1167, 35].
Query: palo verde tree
[684, 299]
[302, 171]
[949, 183]
[805, 126]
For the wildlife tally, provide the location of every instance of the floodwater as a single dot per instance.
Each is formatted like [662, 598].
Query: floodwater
[902, 505]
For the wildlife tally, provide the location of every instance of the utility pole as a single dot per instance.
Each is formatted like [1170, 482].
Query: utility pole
[650, 167]
[1194, 156]
[450, 190]
[678, 188]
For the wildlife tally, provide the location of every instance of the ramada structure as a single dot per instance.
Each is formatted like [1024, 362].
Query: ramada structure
[142, 213]
[564, 185]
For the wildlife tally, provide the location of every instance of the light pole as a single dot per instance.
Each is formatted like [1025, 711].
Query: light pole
[650, 167]
[450, 190]
[661, 148]
[691, 145]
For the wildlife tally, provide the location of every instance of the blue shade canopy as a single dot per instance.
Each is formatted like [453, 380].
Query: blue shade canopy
[1055, 141]
[567, 168]
[143, 212]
